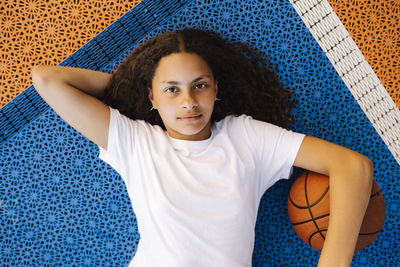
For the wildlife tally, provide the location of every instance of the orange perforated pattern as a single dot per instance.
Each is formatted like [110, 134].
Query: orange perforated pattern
[375, 28]
[34, 32]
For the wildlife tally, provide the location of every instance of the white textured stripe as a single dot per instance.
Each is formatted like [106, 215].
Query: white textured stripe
[355, 71]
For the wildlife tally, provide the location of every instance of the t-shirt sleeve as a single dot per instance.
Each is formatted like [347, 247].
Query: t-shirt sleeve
[121, 137]
[275, 149]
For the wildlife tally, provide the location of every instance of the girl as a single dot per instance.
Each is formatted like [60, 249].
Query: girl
[195, 126]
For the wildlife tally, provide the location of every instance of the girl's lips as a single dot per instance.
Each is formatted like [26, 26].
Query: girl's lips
[190, 117]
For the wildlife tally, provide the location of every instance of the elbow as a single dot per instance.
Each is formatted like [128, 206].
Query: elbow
[42, 76]
[365, 168]
[368, 165]
[37, 76]
[355, 163]
[357, 166]
[36, 71]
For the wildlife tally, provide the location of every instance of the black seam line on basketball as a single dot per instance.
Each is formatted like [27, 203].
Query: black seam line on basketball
[315, 203]
[374, 233]
[317, 232]
[317, 218]
[309, 209]
[377, 193]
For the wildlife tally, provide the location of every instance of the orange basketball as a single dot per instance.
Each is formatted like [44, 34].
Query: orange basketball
[308, 208]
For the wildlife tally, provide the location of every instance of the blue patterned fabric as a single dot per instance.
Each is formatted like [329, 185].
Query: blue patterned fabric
[61, 205]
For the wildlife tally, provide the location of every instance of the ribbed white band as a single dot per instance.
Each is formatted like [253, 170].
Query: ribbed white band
[355, 71]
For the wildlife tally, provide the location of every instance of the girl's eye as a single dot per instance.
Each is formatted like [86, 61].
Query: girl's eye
[200, 85]
[170, 90]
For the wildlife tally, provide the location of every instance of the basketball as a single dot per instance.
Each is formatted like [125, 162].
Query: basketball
[308, 209]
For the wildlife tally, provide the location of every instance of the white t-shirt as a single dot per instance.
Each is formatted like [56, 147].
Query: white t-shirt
[196, 202]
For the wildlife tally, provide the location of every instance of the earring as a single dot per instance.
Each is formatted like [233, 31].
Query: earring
[151, 108]
[217, 99]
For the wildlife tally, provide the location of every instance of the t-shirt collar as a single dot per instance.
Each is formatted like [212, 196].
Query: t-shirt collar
[190, 145]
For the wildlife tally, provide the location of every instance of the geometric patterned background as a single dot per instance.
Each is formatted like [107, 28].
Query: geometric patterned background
[34, 32]
[61, 205]
[374, 26]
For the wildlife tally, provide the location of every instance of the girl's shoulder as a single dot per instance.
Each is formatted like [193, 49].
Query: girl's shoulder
[129, 125]
[245, 125]
[243, 120]
[237, 123]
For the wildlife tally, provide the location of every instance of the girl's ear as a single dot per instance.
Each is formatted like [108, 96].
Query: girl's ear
[150, 94]
[151, 97]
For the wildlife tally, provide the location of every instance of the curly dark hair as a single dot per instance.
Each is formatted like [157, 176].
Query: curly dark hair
[247, 83]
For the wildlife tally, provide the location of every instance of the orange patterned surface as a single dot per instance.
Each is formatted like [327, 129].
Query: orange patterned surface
[34, 32]
[375, 28]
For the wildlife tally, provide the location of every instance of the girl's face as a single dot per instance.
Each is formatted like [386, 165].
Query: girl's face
[184, 91]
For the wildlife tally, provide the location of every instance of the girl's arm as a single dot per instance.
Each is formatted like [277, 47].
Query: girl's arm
[73, 93]
[350, 181]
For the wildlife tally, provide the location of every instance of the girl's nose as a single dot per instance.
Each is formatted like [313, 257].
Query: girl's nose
[188, 101]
